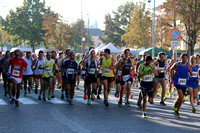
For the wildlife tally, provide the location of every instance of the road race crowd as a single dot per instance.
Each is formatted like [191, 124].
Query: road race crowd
[45, 70]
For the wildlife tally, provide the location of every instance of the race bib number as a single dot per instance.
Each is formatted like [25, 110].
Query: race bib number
[100, 70]
[126, 77]
[91, 71]
[48, 70]
[119, 73]
[194, 74]
[16, 73]
[182, 81]
[70, 71]
[162, 69]
[106, 71]
[83, 72]
[148, 78]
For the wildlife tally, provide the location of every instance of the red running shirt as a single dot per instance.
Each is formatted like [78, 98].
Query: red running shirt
[16, 66]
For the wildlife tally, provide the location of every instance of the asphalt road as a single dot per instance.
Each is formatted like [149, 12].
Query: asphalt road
[56, 116]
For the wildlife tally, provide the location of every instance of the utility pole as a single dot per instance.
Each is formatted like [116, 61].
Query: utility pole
[82, 26]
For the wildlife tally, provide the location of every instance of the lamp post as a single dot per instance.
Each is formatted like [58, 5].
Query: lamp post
[82, 26]
[153, 41]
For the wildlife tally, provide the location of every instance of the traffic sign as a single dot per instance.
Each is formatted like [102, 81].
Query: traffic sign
[175, 43]
[175, 34]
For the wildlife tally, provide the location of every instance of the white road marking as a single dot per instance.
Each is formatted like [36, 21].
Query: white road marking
[2, 102]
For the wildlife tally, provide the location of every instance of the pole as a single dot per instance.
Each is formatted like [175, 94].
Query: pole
[88, 29]
[153, 49]
[175, 47]
[82, 26]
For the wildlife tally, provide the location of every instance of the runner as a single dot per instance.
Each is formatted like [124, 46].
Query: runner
[4, 73]
[28, 73]
[198, 62]
[48, 73]
[83, 73]
[160, 79]
[58, 67]
[180, 81]
[137, 71]
[171, 77]
[193, 82]
[38, 73]
[17, 65]
[125, 64]
[146, 71]
[71, 69]
[107, 74]
[54, 57]
[99, 77]
[67, 53]
[79, 60]
[91, 65]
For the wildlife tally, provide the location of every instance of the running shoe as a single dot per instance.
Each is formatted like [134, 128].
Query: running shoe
[88, 102]
[29, 90]
[36, 91]
[128, 104]
[85, 97]
[12, 101]
[77, 88]
[44, 98]
[92, 97]
[120, 103]
[17, 103]
[162, 103]
[39, 98]
[70, 102]
[174, 108]
[49, 98]
[25, 93]
[106, 103]
[52, 95]
[193, 110]
[98, 97]
[144, 115]
[62, 96]
[176, 113]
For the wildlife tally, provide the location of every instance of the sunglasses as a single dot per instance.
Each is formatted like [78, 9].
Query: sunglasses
[127, 52]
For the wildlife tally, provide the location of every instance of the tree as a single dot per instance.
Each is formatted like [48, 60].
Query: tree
[26, 22]
[115, 26]
[188, 12]
[138, 32]
[76, 29]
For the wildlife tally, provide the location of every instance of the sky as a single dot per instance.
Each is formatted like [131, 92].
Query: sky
[95, 10]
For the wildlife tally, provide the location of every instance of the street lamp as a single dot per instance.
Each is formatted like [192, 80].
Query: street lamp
[154, 13]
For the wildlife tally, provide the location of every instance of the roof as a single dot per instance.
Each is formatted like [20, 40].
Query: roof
[95, 32]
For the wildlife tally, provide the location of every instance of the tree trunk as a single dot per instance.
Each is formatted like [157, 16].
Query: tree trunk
[191, 49]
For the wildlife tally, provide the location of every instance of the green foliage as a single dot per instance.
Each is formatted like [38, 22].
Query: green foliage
[138, 32]
[25, 24]
[115, 26]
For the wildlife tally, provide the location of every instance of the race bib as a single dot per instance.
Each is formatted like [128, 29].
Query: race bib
[70, 71]
[16, 73]
[48, 70]
[100, 70]
[106, 71]
[162, 69]
[126, 77]
[119, 73]
[91, 71]
[148, 78]
[182, 81]
[194, 74]
[83, 72]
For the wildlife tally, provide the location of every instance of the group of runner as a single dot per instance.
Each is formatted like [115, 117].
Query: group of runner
[100, 70]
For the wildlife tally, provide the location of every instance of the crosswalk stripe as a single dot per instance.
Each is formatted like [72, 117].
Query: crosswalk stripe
[27, 101]
[57, 101]
[2, 102]
[84, 101]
